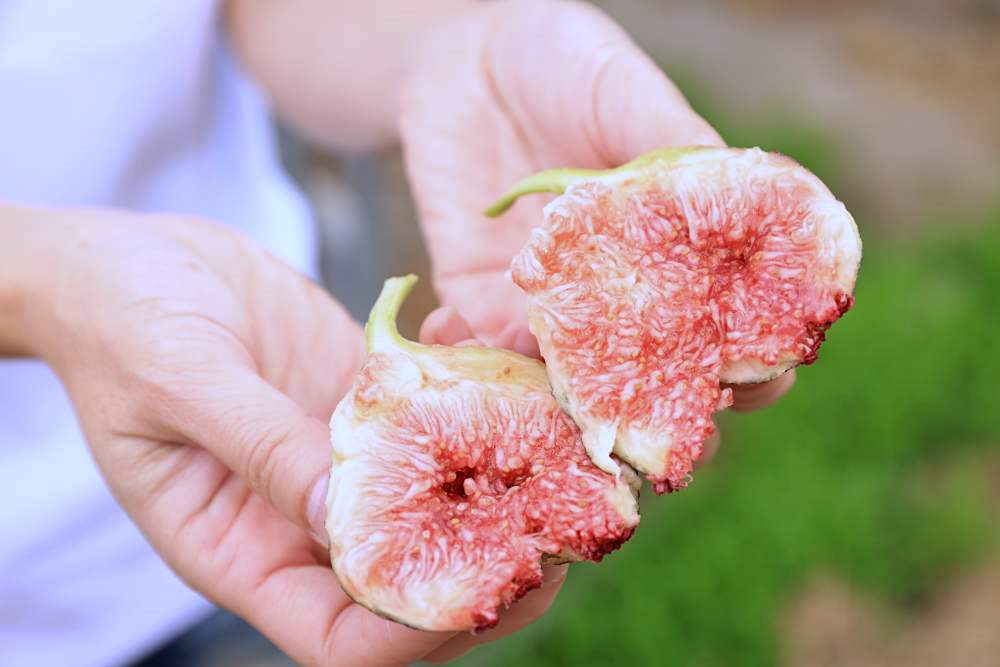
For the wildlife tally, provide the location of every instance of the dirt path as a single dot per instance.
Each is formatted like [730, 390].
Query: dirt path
[830, 624]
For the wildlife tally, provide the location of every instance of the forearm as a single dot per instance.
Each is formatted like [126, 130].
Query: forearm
[334, 68]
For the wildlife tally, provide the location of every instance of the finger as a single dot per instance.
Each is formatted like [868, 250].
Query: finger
[611, 97]
[328, 628]
[525, 343]
[264, 437]
[638, 109]
[709, 449]
[445, 326]
[307, 344]
[526, 611]
[361, 639]
[263, 571]
[518, 338]
[750, 397]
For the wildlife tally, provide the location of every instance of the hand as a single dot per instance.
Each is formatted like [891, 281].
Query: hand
[504, 91]
[510, 89]
[204, 372]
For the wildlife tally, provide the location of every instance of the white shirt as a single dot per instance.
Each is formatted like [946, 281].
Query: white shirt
[135, 104]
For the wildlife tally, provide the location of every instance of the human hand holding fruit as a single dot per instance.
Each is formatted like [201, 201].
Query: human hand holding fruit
[650, 287]
[457, 471]
[501, 92]
[204, 371]
[505, 91]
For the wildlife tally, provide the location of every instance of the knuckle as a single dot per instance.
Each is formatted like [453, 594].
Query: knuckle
[262, 452]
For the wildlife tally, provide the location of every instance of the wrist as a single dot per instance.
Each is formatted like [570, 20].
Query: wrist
[41, 278]
[23, 263]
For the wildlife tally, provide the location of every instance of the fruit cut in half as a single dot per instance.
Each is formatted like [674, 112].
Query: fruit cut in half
[455, 475]
[653, 285]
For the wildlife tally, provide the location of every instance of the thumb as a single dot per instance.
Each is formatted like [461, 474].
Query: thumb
[268, 440]
[638, 109]
[599, 88]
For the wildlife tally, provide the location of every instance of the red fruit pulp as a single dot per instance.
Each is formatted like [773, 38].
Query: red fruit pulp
[480, 486]
[650, 296]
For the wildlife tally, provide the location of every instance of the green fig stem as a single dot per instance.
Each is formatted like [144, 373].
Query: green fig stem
[552, 180]
[558, 180]
[381, 332]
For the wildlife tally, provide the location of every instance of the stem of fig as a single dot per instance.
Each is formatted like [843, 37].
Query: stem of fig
[557, 180]
[380, 331]
[553, 180]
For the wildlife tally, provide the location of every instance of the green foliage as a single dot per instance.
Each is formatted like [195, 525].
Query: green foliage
[871, 469]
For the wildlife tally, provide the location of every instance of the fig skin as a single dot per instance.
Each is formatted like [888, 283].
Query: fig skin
[720, 208]
[454, 477]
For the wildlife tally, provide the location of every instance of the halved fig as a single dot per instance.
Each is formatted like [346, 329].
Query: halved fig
[652, 286]
[455, 475]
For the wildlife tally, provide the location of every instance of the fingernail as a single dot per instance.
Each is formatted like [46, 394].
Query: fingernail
[451, 326]
[317, 511]
[552, 574]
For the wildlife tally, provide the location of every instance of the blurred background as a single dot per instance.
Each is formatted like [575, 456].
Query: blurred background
[855, 523]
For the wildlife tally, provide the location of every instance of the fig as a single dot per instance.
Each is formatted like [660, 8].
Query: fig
[455, 475]
[652, 286]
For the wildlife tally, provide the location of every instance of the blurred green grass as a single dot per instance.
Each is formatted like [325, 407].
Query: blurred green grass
[872, 469]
